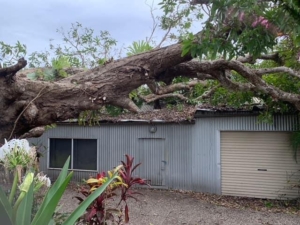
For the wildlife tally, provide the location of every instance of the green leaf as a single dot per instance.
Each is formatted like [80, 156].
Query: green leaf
[79, 211]
[54, 191]
[45, 215]
[297, 41]
[185, 50]
[52, 222]
[23, 214]
[5, 209]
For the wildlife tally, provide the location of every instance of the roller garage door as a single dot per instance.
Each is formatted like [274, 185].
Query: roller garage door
[258, 164]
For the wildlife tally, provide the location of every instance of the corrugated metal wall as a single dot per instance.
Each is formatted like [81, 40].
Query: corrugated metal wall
[191, 151]
[116, 140]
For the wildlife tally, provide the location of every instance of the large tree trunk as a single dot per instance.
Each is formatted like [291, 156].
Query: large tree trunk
[26, 105]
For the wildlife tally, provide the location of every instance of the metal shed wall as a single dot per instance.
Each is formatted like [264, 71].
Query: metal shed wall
[192, 151]
[116, 140]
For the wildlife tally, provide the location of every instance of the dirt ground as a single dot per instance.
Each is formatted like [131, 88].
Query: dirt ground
[165, 207]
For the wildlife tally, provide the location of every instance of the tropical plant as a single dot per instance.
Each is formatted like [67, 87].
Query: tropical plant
[100, 211]
[130, 181]
[97, 212]
[20, 212]
[139, 47]
[17, 156]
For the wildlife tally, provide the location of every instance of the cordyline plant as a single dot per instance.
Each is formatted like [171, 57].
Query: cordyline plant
[127, 176]
[98, 213]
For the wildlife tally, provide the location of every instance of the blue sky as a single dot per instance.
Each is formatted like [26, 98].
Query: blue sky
[34, 22]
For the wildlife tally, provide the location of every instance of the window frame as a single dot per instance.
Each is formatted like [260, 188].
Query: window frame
[72, 155]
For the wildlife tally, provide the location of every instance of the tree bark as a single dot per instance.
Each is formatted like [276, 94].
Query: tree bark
[26, 106]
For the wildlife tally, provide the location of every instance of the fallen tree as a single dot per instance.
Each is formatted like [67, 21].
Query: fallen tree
[26, 105]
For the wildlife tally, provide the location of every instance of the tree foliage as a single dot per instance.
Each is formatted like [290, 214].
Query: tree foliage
[250, 29]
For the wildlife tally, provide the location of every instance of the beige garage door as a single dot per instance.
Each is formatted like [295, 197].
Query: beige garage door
[258, 164]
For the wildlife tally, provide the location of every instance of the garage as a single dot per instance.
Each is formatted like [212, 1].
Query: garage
[258, 164]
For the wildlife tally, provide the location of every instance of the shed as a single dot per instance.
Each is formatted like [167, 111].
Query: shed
[219, 151]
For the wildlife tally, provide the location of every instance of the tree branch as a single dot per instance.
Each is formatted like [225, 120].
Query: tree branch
[25, 108]
[160, 90]
[208, 94]
[250, 59]
[126, 103]
[153, 97]
[258, 84]
[154, 23]
[216, 70]
[195, 2]
[9, 72]
[167, 91]
[281, 69]
[188, 69]
[35, 132]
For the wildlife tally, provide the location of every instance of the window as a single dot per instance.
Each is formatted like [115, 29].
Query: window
[60, 150]
[83, 153]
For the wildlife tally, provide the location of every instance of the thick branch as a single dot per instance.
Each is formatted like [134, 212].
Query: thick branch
[281, 69]
[217, 69]
[258, 84]
[35, 132]
[225, 81]
[13, 69]
[250, 59]
[189, 69]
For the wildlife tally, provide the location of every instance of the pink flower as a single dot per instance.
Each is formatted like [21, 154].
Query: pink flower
[261, 21]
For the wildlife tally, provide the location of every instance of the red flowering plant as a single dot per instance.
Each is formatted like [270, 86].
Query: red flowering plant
[127, 176]
[99, 212]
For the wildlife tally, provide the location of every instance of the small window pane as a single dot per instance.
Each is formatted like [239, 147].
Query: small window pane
[60, 150]
[85, 154]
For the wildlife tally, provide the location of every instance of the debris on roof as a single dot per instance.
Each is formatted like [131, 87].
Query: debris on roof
[174, 114]
[223, 108]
